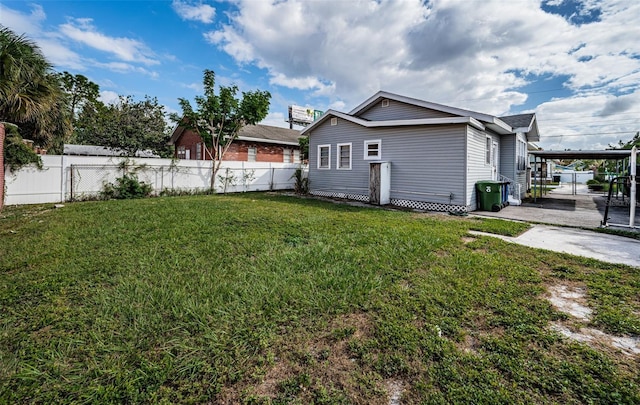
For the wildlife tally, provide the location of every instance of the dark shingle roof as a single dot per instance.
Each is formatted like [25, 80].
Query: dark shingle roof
[518, 121]
[270, 133]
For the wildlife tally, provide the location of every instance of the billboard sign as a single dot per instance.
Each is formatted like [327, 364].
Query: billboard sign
[303, 115]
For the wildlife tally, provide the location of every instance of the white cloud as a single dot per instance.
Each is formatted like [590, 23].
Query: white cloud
[472, 57]
[122, 67]
[275, 119]
[20, 23]
[126, 49]
[194, 11]
[109, 97]
[196, 87]
[30, 25]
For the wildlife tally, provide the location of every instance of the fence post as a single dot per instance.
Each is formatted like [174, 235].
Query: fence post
[272, 175]
[71, 177]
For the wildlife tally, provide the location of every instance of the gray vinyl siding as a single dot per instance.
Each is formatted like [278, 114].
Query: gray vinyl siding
[521, 179]
[477, 168]
[508, 156]
[397, 110]
[427, 162]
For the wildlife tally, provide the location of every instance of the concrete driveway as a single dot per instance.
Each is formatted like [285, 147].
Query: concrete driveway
[564, 212]
[560, 207]
[579, 242]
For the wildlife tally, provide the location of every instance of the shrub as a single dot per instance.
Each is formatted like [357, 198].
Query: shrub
[301, 185]
[127, 186]
[16, 153]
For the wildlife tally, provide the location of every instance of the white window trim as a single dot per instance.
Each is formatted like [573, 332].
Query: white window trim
[328, 161]
[338, 156]
[366, 149]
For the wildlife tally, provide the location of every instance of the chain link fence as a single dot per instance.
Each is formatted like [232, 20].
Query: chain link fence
[87, 181]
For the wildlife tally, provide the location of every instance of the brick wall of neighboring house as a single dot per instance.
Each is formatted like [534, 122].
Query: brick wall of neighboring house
[238, 151]
[1, 165]
[189, 141]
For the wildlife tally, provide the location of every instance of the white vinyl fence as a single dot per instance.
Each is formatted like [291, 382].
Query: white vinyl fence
[69, 178]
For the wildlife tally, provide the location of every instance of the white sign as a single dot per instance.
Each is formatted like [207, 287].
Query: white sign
[301, 114]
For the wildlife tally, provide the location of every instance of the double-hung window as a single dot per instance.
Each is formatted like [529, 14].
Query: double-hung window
[324, 156]
[344, 156]
[522, 155]
[286, 155]
[182, 152]
[373, 150]
[487, 151]
[252, 153]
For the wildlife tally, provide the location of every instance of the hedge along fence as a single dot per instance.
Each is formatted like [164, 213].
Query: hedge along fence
[68, 178]
[1, 165]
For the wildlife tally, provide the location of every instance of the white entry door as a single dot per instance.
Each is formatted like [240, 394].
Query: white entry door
[494, 161]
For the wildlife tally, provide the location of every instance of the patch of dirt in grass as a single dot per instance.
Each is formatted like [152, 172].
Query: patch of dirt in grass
[468, 345]
[570, 298]
[597, 338]
[394, 388]
[327, 364]
[467, 239]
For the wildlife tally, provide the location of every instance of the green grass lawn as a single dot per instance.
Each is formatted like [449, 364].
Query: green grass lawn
[267, 299]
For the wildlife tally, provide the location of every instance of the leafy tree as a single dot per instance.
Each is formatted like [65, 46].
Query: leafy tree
[635, 141]
[30, 93]
[219, 117]
[79, 91]
[128, 126]
[303, 142]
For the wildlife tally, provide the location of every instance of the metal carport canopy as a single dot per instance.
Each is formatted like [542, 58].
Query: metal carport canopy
[614, 154]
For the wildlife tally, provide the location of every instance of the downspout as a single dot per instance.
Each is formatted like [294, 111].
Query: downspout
[633, 191]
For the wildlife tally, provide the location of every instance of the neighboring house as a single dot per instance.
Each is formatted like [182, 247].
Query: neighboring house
[255, 143]
[429, 156]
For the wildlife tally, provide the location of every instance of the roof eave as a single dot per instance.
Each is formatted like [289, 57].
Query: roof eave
[263, 140]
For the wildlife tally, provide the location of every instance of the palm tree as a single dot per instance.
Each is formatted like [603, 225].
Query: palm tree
[29, 91]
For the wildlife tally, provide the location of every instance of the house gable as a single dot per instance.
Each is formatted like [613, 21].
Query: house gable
[386, 109]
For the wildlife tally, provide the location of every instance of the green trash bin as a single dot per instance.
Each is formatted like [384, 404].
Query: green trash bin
[489, 195]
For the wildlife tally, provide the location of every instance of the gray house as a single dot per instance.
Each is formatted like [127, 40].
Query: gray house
[413, 153]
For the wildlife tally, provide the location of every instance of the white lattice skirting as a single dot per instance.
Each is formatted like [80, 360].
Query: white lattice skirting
[416, 205]
[348, 196]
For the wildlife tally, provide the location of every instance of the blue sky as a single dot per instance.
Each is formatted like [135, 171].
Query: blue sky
[576, 63]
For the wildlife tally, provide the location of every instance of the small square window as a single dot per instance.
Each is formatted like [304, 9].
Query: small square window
[344, 156]
[385, 103]
[182, 152]
[373, 150]
[334, 121]
[324, 156]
